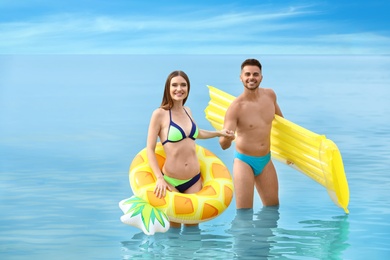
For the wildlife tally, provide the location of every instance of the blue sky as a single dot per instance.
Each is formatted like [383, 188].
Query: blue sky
[198, 27]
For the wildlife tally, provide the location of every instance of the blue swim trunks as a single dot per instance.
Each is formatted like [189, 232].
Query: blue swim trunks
[257, 163]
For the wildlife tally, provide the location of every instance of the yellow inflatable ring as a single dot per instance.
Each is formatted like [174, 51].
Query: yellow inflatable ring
[208, 203]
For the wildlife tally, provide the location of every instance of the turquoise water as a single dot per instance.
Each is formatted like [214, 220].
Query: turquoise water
[70, 126]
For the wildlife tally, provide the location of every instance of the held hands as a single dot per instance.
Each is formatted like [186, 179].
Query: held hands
[227, 134]
[161, 187]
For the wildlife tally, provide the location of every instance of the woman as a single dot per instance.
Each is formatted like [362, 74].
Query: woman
[172, 122]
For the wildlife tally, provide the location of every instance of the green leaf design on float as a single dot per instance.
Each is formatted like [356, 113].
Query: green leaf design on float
[141, 214]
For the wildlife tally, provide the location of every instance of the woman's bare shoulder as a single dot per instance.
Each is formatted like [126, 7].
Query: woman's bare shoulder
[159, 112]
[188, 109]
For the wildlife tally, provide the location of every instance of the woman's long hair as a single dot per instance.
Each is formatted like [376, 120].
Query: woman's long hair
[167, 102]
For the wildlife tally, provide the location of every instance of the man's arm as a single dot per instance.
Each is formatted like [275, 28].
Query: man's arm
[230, 123]
[278, 111]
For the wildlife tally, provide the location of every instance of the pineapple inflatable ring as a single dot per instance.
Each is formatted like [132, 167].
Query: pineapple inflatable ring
[206, 204]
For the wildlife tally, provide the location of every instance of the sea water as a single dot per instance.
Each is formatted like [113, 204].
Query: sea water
[71, 125]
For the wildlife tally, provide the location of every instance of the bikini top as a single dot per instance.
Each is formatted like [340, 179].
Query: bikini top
[176, 133]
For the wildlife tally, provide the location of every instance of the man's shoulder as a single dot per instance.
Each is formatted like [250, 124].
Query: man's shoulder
[237, 101]
[234, 107]
[269, 91]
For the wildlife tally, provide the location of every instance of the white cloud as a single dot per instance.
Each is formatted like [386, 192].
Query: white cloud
[276, 32]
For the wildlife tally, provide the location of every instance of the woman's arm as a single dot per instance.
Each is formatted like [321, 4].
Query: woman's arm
[153, 132]
[205, 134]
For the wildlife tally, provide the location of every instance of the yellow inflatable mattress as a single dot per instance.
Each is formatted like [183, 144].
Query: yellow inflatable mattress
[312, 154]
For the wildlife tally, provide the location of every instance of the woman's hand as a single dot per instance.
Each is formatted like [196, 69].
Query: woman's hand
[227, 133]
[161, 187]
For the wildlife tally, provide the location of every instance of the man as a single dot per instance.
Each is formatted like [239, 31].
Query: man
[250, 115]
